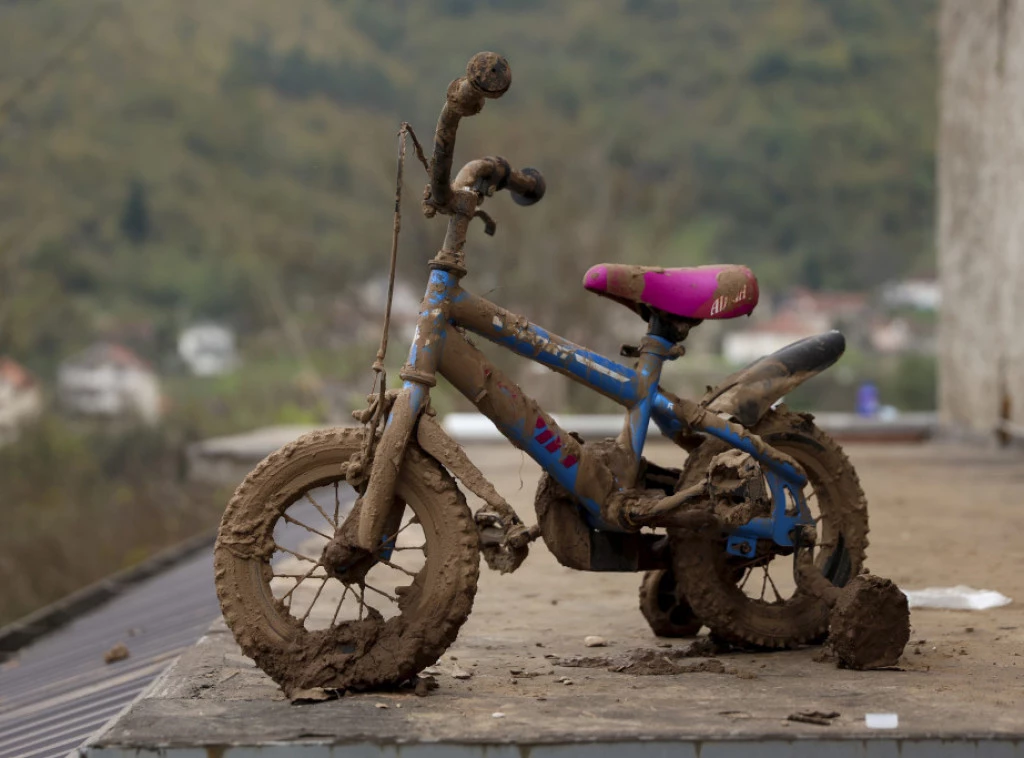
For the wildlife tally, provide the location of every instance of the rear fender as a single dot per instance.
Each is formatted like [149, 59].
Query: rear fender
[747, 394]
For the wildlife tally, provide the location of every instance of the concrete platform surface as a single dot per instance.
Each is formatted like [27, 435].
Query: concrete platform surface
[941, 515]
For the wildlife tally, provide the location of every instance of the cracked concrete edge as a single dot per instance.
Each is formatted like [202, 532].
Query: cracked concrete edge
[24, 631]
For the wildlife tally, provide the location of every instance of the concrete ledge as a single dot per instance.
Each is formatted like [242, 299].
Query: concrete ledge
[212, 701]
[958, 691]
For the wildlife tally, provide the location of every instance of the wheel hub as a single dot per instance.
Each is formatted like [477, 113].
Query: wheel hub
[346, 562]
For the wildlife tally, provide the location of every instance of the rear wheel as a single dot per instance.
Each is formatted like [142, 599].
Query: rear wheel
[306, 628]
[756, 600]
[664, 606]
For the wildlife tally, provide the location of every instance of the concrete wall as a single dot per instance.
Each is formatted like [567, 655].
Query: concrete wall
[981, 215]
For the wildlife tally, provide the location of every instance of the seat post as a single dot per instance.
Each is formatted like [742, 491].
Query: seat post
[675, 329]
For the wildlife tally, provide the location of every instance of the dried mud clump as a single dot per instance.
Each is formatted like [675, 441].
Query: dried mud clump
[870, 623]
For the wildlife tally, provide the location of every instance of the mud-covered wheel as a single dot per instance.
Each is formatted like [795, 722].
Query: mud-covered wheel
[307, 629]
[665, 608]
[755, 601]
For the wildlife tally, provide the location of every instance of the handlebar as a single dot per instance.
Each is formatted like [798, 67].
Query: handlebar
[487, 76]
[488, 175]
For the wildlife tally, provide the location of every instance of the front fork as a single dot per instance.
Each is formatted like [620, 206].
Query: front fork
[374, 507]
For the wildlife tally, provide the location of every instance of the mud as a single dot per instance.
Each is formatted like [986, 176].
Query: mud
[487, 76]
[751, 391]
[352, 655]
[658, 664]
[870, 623]
[737, 489]
[564, 533]
[694, 658]
[503, 401]
[510, 554]
[709, 583]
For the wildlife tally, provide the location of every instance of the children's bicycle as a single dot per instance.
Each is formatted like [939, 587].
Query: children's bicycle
[349, 558]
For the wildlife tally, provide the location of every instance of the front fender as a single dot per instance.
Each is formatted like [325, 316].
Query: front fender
[747, 394]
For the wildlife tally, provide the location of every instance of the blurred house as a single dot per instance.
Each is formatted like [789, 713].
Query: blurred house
[803, 313]
[21, 399]
[892, 336]
[762, 338]
[830, 309]
[109, 381]
[208, 349]
[916, 294]
[405, 306]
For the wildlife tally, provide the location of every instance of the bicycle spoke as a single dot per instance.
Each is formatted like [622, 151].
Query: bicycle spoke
[313, 602]
[746, 576]
[775, 589]
[304, 578]
[308, 528]
[334, 618]
[337, 505]
[362, 601]
[764, 583]
[381, 592]
[299, 576]
[409, 523]
[397, 567]
[293, 553]
[323, 513]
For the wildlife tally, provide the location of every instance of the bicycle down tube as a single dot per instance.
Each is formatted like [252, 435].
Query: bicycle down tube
[523, 421]
[438, 348]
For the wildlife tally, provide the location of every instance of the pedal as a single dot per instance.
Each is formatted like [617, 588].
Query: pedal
[504, 546]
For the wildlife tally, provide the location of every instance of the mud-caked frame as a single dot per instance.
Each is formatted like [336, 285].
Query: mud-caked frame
[440, 346]
[598, 482]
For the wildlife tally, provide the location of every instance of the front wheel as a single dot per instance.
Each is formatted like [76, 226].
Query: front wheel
[307, 629]
[755, 601]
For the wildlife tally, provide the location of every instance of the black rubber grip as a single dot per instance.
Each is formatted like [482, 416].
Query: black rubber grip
[534, 189]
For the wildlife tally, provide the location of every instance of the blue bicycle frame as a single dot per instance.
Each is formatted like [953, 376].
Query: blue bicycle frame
[440, 346]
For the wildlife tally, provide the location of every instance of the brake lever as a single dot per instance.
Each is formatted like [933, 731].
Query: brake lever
[490, 226]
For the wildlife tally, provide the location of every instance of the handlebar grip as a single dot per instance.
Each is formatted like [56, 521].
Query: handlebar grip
[527, 186]
[487, 76]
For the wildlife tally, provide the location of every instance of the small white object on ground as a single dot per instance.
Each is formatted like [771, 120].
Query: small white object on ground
[382, 706]
[458, 673]
[497, 715]
[956, 598]
[881, 720]
[592, 640]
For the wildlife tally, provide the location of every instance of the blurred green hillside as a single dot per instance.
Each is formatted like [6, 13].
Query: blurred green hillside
[234, 158]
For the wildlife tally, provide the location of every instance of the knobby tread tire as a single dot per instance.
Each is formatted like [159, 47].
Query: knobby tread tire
[359, 654]
[699, 557]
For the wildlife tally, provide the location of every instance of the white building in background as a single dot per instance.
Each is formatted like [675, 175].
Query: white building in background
[21, 399]
[208, 349]
[919, 294]
[764, 338]
[109, 381]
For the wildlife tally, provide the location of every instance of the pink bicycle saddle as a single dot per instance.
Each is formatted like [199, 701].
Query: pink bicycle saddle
[701, 292]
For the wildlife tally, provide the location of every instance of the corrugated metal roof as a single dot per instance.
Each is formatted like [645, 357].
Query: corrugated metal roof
[58, 690]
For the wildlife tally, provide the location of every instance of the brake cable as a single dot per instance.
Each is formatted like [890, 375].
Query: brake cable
[372, 415]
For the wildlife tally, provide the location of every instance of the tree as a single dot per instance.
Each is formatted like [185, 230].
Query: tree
[135, 217]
